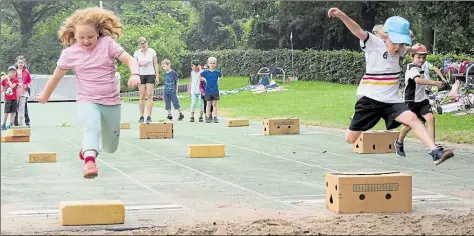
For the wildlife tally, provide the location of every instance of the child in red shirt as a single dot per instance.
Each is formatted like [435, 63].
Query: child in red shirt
[9, 84]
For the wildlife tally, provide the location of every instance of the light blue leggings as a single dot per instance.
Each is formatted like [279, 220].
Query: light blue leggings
[101, 126]
[197, 97]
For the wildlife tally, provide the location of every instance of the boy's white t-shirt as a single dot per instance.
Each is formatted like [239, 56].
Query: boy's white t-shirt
[149, 69]
[414, 92]
[195, 80]
[382, 73]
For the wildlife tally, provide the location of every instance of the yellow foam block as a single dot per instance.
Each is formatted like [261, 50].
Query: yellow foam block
[237, 123]
[206, 150]
[125, 125]
[12, 139]
[96, 212]
[18, 132]
[40, 157]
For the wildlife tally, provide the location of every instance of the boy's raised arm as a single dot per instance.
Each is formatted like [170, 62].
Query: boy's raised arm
[355, 29]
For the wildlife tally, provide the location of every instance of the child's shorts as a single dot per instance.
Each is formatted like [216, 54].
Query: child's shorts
[420, 108]
[11, 106]
[368, 113]
[211, 97]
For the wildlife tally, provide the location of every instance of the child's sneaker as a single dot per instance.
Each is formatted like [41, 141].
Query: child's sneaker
[440, 155]
[170, 117]
[4, 127]
[216, 120]
[141, 120]
[208, 120]
[191, 120]
[181, 116]
[399, 148]
[90, 168]
[148, 119]
[201, 119]
[81, 156]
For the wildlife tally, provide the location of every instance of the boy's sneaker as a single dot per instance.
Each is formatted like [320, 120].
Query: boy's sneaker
[90, 168]
[399, 148]
[208, 120]
[191, 120]
[181, 116]
[440, 155]
[201, 119]
[148, 119]
[170, 117]
[216, 120]
[4, 127]
[141, 120]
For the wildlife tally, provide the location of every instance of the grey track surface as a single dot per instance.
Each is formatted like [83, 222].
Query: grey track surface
[260, 175]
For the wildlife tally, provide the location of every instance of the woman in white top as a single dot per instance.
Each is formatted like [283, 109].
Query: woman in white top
[149, 76]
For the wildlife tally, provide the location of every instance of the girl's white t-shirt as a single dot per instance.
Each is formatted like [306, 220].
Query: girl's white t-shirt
[148, 69]
[195, 80]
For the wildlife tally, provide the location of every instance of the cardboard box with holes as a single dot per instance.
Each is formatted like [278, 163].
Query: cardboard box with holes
[275, 126]
[375, 142]
[156, 130]
[17, 134]
[376, 192]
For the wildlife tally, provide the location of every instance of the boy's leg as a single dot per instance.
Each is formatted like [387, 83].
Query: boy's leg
[174, 99]
[110, 127]
[214, 113]
[399, 149]
[365, 117]
[430, 120]
[13, 112]
[91, 117]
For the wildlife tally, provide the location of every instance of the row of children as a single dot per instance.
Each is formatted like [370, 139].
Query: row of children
[16, 87]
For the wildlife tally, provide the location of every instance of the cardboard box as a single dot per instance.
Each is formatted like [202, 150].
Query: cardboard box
[156, 130]
[125, 125]
[14, 139]
[18, 132]
[273, 126]
[42, 157]
[206, 150]
[237, 123]
[368, 192]
[375, 142]
[91, 212]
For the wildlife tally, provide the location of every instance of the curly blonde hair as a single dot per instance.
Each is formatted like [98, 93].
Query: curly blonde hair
[107, 23]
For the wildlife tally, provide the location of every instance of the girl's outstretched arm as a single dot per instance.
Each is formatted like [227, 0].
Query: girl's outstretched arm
[132, 64]
[51, 85]
[355, 29]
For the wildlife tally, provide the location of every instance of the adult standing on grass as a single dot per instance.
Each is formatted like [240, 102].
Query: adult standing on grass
[149, 76]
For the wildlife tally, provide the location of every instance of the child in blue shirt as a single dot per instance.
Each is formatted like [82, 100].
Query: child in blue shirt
[211, 96]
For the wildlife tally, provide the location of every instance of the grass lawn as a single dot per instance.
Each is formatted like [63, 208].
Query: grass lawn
[316, 103]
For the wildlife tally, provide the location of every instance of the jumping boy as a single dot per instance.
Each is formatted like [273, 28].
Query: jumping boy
[378, 89]
[415, 96]
[171, 88]
[212, 76]
[9, 84]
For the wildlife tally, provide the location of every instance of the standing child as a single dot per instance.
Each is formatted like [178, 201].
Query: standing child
[24, 82]
[9, 84]
[194, 90]
[171, 89]
[90, 51]
[415, 96]
[212, 76]
[378, 89]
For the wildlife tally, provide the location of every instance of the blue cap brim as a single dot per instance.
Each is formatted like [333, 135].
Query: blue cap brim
[399, 38]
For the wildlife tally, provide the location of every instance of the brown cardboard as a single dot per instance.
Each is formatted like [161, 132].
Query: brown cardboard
[206, 150]
[40, 157]
[156, 130]
[375, 142]
[18, 132]
[237, 123]
[12, 139]
[275, 126]
[368, 192]
[125, 125]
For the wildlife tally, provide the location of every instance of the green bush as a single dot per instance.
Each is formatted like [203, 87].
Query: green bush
[331, 66]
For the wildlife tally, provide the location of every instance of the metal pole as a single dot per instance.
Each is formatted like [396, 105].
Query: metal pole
[292, 52]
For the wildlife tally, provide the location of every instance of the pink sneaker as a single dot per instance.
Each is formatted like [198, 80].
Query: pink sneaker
[81, 156]
[90, 169]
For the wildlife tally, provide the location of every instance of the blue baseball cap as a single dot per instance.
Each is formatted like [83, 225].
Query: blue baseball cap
[398, 30]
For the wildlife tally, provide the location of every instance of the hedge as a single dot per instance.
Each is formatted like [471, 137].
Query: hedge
[331, 66]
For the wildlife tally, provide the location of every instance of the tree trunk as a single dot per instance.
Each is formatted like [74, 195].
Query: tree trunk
[428, 36]
[368, 14]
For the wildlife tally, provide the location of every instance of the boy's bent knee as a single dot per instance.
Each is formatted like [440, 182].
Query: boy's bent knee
[352, 136]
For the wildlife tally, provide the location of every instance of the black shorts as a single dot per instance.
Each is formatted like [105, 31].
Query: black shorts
[368, 113]
[211, 97]
[420, 108]
[147, 79]
[11, 106]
